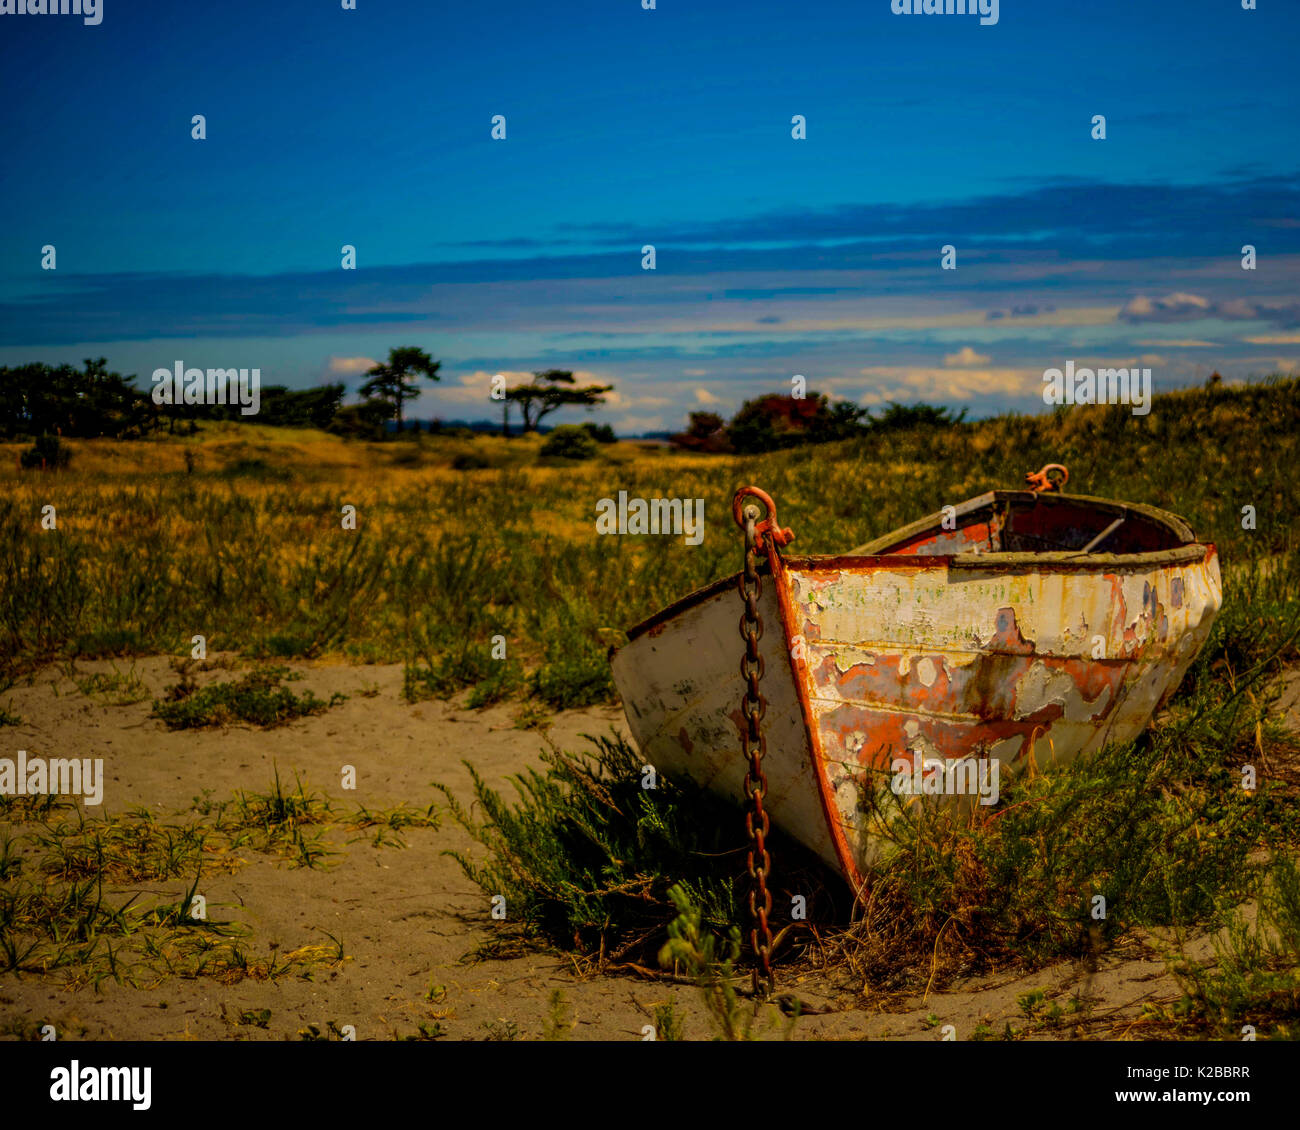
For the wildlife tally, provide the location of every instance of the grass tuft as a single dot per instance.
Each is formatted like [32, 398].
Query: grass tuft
[257, 698]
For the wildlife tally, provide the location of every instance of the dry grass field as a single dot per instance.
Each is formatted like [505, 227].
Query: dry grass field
[463, 620]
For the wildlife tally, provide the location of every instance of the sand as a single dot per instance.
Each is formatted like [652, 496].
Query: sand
[408, 917]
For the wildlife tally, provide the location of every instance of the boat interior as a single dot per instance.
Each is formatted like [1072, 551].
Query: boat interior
[1029, 522]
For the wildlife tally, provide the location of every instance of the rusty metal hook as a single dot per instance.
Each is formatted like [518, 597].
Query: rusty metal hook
[1040, 482]
[768, 525]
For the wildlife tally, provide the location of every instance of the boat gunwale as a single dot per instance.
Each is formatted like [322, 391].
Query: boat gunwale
[1190, 550]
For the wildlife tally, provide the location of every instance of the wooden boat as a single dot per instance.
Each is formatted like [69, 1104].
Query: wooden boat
[1024, 626]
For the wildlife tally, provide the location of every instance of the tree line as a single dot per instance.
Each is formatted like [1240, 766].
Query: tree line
[61, 400]
[89, 402]
[773, 422]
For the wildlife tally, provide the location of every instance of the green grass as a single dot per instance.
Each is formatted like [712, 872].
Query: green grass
[443, 561]
[89, 900]
[115, 688]
[712, 963]
[257, 698]
[1255, 977]
[586, 857]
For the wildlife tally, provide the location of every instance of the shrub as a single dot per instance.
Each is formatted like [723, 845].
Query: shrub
[251, 467]
[470, 461]
[47, 453]
[574, 674]
[706, 432]
[587, 855]
[899, 417]
[257, 698]
[570, 441]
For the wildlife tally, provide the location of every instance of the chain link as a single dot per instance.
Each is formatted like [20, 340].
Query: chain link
[753, 745]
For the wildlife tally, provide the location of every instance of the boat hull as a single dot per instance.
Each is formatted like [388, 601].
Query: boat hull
[907, 658]
[1016, 657]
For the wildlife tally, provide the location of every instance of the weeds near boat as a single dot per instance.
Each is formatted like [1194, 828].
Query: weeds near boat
[586, 856]
[1161, 829]
[710, 961]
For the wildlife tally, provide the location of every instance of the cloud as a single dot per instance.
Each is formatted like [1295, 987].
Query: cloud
[901, 382]
[1171, 308]
[1183, 343]
[618, 399]
[1025, 310]
[1273, 339]
[474, 388]
[1076, 217]
[1181, 307]
[1057, 236]
[704, 396]
[634, 425]
[965, 356]
[351, 365]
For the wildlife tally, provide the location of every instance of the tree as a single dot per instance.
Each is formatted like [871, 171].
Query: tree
[773, 422]
[300, 408]
[361, 421]
[901, 416]
[842, 420]
[62, 400]
[393, 382]
[548, 392]
[705, 432]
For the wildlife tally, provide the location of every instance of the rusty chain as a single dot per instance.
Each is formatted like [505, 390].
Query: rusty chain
[753, 744]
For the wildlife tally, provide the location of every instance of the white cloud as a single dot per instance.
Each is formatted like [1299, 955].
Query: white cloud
[704, 396]
[1173, 307]
[902, 382]
[634, 425]
[351, 364]
[965, 356]
[474, 388]
[1274, 339]
[1181, 307]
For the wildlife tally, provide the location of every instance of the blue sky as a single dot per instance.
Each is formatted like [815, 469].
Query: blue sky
[670, 127]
